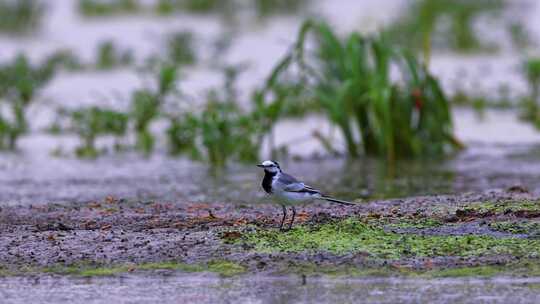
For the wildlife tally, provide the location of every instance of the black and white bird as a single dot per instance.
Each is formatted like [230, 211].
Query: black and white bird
[289, 191]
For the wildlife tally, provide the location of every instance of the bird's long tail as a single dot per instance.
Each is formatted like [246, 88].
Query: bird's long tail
[333, 200]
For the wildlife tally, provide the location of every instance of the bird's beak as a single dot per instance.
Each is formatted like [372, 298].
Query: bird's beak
[260, 166]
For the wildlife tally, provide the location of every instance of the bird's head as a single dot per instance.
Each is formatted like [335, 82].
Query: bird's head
[270, 166]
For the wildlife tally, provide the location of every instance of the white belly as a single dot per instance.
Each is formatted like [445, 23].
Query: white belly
[292, 198]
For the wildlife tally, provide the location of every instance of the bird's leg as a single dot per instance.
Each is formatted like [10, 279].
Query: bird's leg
[283, 218]
[292, 220]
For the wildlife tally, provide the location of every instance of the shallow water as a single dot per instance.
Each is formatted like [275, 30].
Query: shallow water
[501, 153]
[200, 288]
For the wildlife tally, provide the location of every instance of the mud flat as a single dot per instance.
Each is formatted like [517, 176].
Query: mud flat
[495, 232]
[467, 248]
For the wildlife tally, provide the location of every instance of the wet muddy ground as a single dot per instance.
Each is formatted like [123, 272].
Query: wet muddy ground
[115, 232]
[119, 249]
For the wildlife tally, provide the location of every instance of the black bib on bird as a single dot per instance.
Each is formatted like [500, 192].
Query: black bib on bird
[267, 181]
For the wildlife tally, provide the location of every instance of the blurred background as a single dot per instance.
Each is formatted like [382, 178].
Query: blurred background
[176, 100]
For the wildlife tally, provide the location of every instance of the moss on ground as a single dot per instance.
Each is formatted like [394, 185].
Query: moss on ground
[476, 271]
[526, 268]
[521, 207]
[220, 267]
[225, 268]
[353, 236]
[517, 227]
[172, 266]
[82, 270]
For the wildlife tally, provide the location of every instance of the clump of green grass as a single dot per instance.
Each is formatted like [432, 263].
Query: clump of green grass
[95, 8]
[222, 131]
[519, 35]
[90, 123]
[479, 101]
[65, 59]
[109, 56]
[180, 48]
[230, 9]
[20, 16]
[146, 106]
[204, 6]
[444, 24]
[529, 104]
[182, 135]
[20, 81]
[267, 8]
[227, 133]
[353, 236]
[349, 79]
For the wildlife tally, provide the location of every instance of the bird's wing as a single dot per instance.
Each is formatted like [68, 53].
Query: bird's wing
[287, 179]
[293, 185]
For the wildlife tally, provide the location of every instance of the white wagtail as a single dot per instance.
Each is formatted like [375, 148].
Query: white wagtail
[289, 191]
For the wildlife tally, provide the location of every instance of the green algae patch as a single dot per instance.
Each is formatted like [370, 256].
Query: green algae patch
[352, 236]
[522, 208]
[171, 266]
[86, 270]
[526, 268]
[477, 271]
[103, 271]
[225, 268]
[222, 268]
[517, 227]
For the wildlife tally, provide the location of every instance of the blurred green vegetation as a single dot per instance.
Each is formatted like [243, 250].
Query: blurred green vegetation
[499, 98]
[20, 16]
[529, 104]
[92, 122]
[109, 56]
[346, 79]
[375, 89]
[108, 8]
[266, 8]
[180, 48]
[519, 35]
[201, 6]
[20, 82]
[442, 24]
[221, 132]
[227, 9]
[349, 79]
[146, 105]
